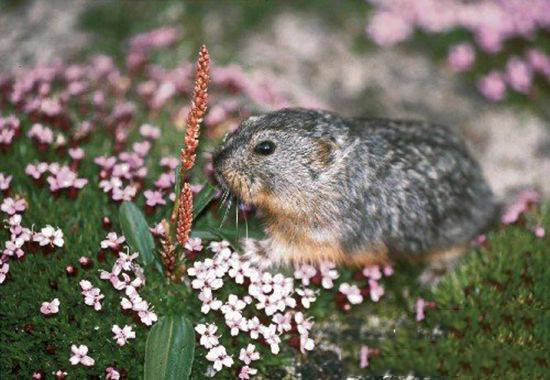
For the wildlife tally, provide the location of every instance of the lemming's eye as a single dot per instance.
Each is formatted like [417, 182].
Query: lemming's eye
[265, 148]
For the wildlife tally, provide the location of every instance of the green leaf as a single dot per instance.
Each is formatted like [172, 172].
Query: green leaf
[170, 349]
[135, 229]
[203, 199]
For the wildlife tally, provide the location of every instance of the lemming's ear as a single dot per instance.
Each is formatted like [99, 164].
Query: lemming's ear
[325, 149]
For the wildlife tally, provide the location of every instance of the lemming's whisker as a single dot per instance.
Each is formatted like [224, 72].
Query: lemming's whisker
[227, 209]
[225, 194]
[245, 225]
[237, 217]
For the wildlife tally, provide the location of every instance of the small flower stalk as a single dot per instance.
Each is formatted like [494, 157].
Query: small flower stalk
[182, 214]
[183, 211]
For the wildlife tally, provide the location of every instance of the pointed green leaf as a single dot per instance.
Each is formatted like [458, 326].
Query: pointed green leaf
[135, 229]
[169, 349]
[203, 199]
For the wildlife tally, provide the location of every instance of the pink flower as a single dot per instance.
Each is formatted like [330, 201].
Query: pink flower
[372, 272]
[4, 270]
[76, 154]
[194, 245]
[375, 290]
[305, 273]
[208, 301]
[36, 171]
[219, 356]
[388, 28]
[388, 270]
[141, 149]
[147, 317]
[328, 274]
[80, 355]
[11, 206]
[283, 322]
[352, 293]
[51, 307]
[111, 374]
[420, 306]
[149, 131]
[208, 337]
[271, 337]
[539, 231]
[364, 357]
[514, 210]
[13, 248]
[519, 75]
[153, 198]
[169, 162]
[43, 135]
[158, 230]
[166, 181]
[113, 241]
[246, 372]
[492, 86]
[308, 296]
[539, 61]
[5, 182]
[92, 295]
[249, 354]
[122, 335]
[49, 236]
[461, 56]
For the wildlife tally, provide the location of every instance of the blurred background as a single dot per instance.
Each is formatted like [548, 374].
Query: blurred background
[480, 66]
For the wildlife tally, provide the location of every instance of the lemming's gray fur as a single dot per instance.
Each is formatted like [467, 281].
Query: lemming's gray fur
[410, 186]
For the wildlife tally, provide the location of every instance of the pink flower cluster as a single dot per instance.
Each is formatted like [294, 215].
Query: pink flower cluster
[22, 237]
[10, 127]
[523, 201]
[272, 294]
[126, 275]
[491, 22]
[61, 178]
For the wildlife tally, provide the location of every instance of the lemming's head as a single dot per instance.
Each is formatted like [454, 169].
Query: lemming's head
[280, 156]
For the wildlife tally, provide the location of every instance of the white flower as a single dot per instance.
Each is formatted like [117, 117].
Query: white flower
[122, 335]
[92, 296]
[328, 274]
[80, 355]
[49, 236]
[270, 335]
[147, 317]
[51, 307]
[125, 261]
[208, 301]
[249, 354]
[193, 244]
[233, 304]
[218, 246]
[253, 325]
[305, 273]
[308, 296]
[375, 290]
[352, 292]
[283, 322]
[208, 335]
[219, 356]
[235, 321]
[4, 269]
[112, 241]
[372, 272]
[246, 371]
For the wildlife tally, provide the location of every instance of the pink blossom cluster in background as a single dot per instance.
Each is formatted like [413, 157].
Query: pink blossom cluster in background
[492, 23]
